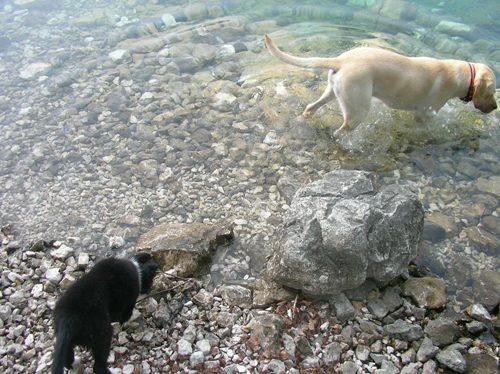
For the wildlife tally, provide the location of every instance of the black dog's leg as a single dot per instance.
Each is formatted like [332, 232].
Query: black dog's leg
[101, 347]
[127, 313]
[70, 358]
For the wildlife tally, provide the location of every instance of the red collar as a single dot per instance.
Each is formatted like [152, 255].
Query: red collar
[470, 92]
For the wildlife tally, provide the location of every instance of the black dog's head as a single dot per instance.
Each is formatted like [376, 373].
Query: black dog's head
[148, 267]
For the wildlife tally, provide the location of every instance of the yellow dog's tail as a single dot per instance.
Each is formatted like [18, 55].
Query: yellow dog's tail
[305, 62]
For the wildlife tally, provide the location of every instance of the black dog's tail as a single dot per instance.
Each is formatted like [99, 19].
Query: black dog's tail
[62, 347]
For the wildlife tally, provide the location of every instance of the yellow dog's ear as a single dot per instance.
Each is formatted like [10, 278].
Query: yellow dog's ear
[479, 87]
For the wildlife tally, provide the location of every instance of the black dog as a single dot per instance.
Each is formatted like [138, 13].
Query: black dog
[106, 294]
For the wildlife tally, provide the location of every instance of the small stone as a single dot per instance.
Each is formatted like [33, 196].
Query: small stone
[83, 260]
[196, 358]
[31, 70]
[453, 28]
[348, 367]
[203, 298]
[376, 347]
[62, 252]
[290, 347]
[266, 328]
[427, 350]
[481, 364]
[452, 359]
[342, 307]
[362, 352]
[404, 330]
[377, 358]
[128, 369]
[5, 312]
[226, 319]
[387, 367]
[37, 290]
[430, 367]
[237, 295]
[53, 275]
[204, 346]
[311, 362]
[411, 368]
[378, 308]
[276, 367]
[427, 292]
[67, 281]
[332, 353]
[116, 242]
[119, 55]
[408, 356]
[189, 333]
[184, 347]
[475, 327]
[478, 312]
[17, 298]
[303, 346]
[442, 331]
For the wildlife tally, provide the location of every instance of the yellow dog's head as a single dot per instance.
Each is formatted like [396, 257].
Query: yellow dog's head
[484, 89]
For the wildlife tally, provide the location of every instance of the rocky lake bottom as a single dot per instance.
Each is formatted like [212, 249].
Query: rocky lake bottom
[115, 119]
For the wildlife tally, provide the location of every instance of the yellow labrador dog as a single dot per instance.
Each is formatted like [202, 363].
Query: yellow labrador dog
[421, 84]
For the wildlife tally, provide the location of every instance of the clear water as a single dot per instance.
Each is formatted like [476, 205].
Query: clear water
[197, 122]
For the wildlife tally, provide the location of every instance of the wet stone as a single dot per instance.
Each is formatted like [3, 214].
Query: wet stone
[342, 307]
[486, 288]
[442, 331]
[452, 359]
[481, 364]
[433, 233]
[378, 308]
[426, 292]
[404, 330]
[427, 350]
[483, 240]
[478, 312]
[491, 224]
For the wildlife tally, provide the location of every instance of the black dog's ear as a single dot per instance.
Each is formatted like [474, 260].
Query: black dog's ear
[143, 257]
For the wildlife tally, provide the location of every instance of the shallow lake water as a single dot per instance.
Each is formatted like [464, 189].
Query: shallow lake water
[116, 116]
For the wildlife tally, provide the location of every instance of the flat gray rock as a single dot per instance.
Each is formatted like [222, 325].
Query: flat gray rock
[427, 292]
[185, 247]
[452, 359]
[404, 330]
[442, 331]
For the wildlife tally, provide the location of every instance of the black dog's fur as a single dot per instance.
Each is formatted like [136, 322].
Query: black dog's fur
[106, 294]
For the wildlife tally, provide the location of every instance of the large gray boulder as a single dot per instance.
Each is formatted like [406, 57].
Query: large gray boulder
[343, 229]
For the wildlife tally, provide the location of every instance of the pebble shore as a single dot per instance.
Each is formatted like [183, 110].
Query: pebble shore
[191, 327]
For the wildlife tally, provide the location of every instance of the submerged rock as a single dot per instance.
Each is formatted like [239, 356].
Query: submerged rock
[342, 230]
[186, 248]
[31, 70]
[427, 292]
